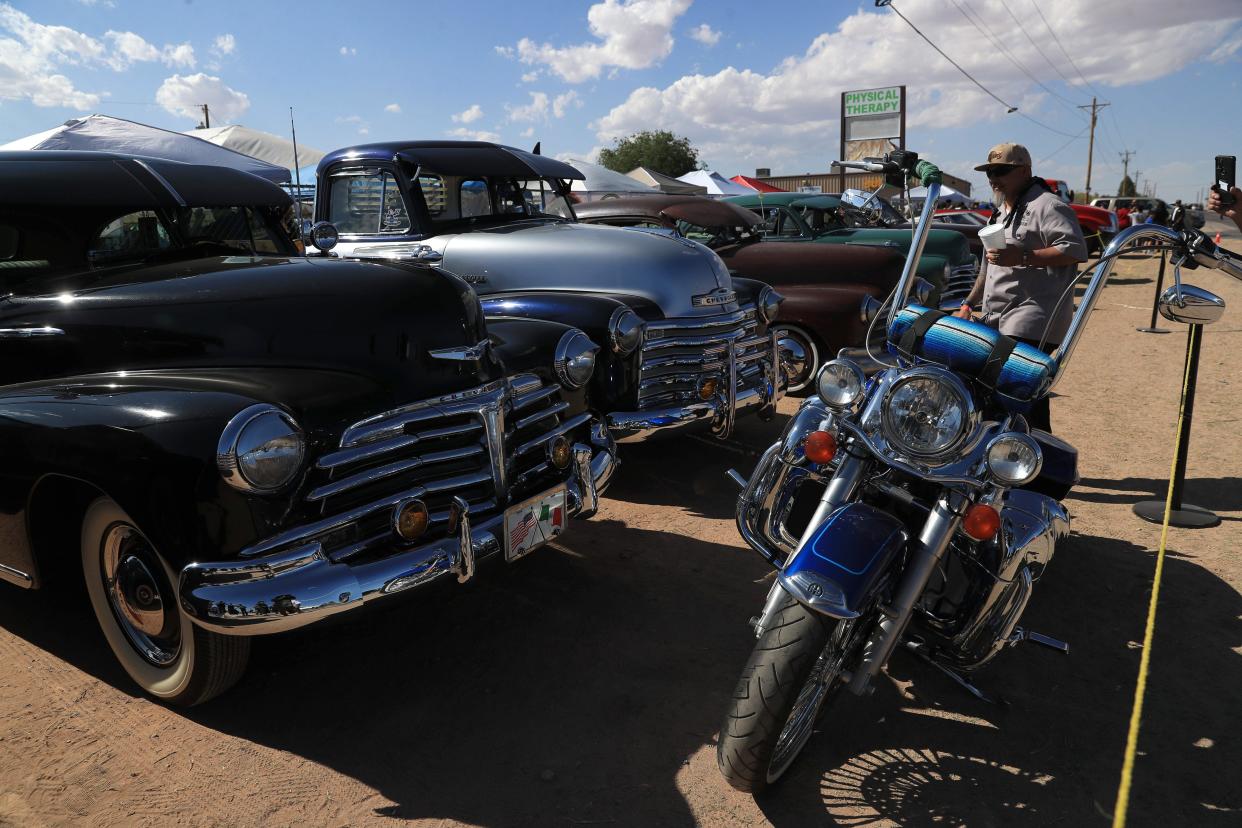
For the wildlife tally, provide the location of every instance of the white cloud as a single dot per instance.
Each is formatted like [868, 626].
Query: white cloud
[561, 103]
[393, 108]
[536, 110]
[184, 96]
[182, 55]
[348, 51]
[363, 125]
[790, 112]
[705, 34]
[632, 34]
[30, 59]
[224, 44]
[469, 116]
[530, 77]
[528, 132]
[504, 51]
[473, 134]
[129, 48]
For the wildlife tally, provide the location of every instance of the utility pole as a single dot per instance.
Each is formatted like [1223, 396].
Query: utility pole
[207, 125]
[1125, 163]
[1095, 107]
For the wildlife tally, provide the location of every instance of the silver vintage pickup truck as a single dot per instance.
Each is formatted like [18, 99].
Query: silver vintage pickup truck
[682, 344]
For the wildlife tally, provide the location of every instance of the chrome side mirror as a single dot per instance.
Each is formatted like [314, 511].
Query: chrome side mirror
[1191, 305]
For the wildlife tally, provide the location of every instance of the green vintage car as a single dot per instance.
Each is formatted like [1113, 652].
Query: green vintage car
[946, 263]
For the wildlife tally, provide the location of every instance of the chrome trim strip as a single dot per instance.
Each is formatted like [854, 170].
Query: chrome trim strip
[164, 181]
[464, 566]
[568, 425]
[550, 411]
[309, 530]
[530, 398]
[16, 576]
[458, 403]
[379, 473]
[30, 333]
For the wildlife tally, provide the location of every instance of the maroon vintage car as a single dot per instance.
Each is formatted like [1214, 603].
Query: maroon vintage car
[823, 285]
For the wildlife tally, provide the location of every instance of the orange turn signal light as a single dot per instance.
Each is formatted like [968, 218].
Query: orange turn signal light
[982, 522]
[820, 447]
[411, 520]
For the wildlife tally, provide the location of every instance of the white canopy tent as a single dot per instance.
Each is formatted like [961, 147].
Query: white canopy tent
[602, 183]
[947, 193]
[664, 183]
[261, 145]
[103, 133]
[715, 184]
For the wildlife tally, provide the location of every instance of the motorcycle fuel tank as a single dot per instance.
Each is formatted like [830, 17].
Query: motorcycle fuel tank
[837, 569]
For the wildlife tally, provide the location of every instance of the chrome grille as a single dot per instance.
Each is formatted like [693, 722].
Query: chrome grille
[961, 281]
[486, 445]
[678, 354]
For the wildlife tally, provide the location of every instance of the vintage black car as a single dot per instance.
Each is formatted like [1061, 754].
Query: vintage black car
[685, 345]
[237, 440]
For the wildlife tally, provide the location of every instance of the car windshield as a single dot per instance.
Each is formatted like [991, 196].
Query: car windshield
[488, 200]
[717, 236]
[37, 242]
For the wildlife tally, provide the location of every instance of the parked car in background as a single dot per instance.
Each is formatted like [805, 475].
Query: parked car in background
[227, 439]
[823, 285]
[1098, 224]
[830, 219]
[964, 218]
[684, 344]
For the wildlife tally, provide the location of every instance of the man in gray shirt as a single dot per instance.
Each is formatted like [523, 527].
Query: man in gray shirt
[1024, 290]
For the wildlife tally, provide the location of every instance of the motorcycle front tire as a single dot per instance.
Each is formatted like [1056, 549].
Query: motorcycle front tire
[767, 693]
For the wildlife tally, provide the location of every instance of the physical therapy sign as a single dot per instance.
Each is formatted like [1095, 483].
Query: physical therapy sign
[870, 119]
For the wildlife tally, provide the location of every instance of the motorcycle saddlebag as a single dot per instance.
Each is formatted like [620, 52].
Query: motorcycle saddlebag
[837, 569]
[1017, 372]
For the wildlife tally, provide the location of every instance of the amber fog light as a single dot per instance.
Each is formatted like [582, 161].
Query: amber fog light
[707, 389]
[410, 520]
[559, 452]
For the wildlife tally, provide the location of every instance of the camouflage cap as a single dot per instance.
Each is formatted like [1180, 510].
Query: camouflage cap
[1011, 154]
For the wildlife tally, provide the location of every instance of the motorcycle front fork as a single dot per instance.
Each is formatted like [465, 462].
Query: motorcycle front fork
[925, 556]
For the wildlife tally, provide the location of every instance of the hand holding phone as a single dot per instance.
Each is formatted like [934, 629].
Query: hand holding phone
[1226, 172]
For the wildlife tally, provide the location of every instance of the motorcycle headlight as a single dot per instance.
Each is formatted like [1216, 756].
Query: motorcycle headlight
[927, 413]
[575, 359]
[840, 383]
[1014, 459]
[626, 331]
[260, 450]
[769, 304]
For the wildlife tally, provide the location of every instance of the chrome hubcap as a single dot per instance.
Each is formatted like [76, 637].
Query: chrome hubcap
[797, 362]
[140, 595]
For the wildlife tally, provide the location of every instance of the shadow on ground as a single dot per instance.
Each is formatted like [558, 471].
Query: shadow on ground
[571, 688]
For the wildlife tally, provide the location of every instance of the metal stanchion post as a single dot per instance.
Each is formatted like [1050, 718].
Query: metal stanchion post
[1164, 255]
[1183, 515]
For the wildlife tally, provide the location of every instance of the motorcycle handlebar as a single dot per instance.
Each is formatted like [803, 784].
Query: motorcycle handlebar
[869, 166]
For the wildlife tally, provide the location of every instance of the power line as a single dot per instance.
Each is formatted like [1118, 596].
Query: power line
[1064, 51]
[989, 92]
[1042, 54]
[1057, 151]
[1042, 125]
[987, 32]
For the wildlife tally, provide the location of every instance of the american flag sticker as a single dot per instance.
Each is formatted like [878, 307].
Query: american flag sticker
[531, 524]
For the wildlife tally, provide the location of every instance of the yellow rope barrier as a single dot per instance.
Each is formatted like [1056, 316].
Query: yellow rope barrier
[1140, 688]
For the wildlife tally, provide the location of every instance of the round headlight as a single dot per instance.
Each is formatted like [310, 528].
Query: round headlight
[769, 304]
[260, 450]
[927, 413]
[575, 359]
[626, 331]
[1014, 459]
[324, 235]
[840, 383]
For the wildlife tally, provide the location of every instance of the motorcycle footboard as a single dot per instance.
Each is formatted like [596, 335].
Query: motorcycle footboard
[837, 569]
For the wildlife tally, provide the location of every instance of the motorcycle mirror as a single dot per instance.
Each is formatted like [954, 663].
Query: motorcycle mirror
[1191, 305]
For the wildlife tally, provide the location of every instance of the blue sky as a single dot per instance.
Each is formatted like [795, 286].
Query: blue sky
[750, 85]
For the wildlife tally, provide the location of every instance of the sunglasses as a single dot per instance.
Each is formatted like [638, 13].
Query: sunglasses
[1000, 170]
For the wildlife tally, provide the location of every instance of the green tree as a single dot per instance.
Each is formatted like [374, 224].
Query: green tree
[1126, 187]
[659, 150]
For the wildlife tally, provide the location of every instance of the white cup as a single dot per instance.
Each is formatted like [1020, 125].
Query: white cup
[993, 237]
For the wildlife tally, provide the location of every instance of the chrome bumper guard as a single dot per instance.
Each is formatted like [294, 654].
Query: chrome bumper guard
[300, 585]
[717, 414]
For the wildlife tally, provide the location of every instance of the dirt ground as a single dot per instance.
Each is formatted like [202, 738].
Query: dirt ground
[585, 685]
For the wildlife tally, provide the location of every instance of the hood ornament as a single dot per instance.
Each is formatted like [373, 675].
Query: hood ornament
[462, 353]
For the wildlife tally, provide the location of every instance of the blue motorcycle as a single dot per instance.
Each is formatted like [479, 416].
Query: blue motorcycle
[914, 508]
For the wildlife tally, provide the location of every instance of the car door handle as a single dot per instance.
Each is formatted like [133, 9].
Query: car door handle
[29, 333]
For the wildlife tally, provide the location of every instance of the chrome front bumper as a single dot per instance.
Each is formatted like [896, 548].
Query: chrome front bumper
[299, 586]
[719, 413]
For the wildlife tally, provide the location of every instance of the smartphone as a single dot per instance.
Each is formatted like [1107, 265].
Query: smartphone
[1226, 170]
